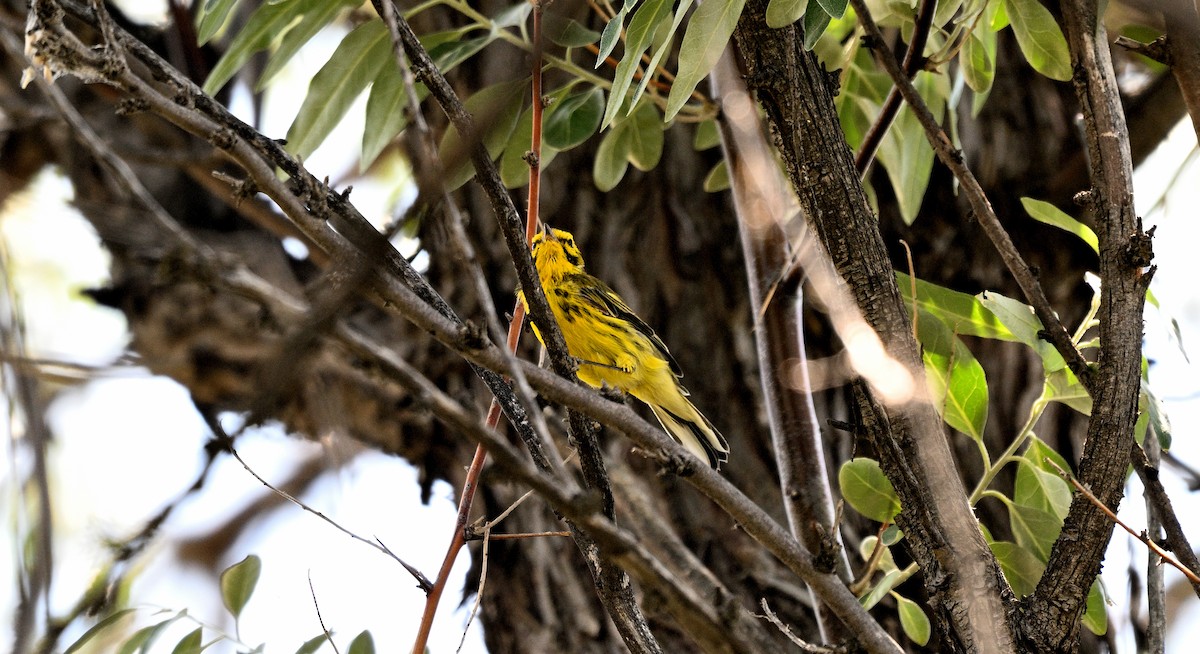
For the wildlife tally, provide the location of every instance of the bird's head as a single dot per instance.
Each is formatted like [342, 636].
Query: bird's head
[554, 249]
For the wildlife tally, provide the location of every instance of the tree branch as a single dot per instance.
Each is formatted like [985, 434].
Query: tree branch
[959, 570]
[1051, 613]
[760, 197]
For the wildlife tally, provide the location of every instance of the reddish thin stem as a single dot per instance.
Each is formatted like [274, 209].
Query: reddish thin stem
[467, 497]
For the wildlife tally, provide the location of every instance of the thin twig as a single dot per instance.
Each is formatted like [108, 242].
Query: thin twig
[796, 640]
[1160, 504]
[914, 59]
[1163, 554]
[422, 581]
[321, 620]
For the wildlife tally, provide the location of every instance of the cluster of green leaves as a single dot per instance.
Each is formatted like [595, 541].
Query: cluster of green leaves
[237, 586]
[958, 388]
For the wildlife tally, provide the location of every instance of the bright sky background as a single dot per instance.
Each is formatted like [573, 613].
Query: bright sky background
[128, 442]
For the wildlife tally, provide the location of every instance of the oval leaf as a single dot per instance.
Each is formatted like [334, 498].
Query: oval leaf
[362, 644]
[1047, 213]
[191, 643]
[566, 32]
[913, 620]
[645, 136]
[317, 14]
[707, 34]
[262, 28]
[1040, 39]
[573, 120]
[358, 59]
[835, 8]
[781, 13]
[311, 645]
[495, 109]
[1095, 618]
[237, 583]
[868, 490]
[211, 18]
[1021, 568]
[96, 629]
[717, 179]
[964, 314]
[612, 159]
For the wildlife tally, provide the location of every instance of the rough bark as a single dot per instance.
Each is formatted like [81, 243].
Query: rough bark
[961, 576]
[1051, 614]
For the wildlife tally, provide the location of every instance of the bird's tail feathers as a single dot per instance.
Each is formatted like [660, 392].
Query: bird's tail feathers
[696, 434]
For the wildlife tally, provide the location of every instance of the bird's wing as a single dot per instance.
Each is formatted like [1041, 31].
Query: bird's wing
[606, 300]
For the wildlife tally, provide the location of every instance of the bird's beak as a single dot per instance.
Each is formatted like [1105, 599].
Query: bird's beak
[548, 232]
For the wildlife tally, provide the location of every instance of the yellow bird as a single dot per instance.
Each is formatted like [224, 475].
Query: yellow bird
[615, 347]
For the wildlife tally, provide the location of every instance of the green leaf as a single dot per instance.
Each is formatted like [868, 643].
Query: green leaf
[514, 170]
[262, 28]
[781, 13]
[706, 137]
[1038, 451]
[1158, 417]
[237, 583]
[1040, 39]
[385, 113]
[608, 38]
[645, 136]
[913, 620]
[495, 109]
[1035, 529]
[957, 384]
[906, 154]
[191, 643]
[1047, 213]
[88, 635]
[1021, 568]
[572, 121]
[664, 39]
[868, 490]
[637, 39]
[316, 15]
[1041, 489]
[144, 638]
[867, 547]
[139, 639]
[385, 104]
[567, 32]
[815, 22]
[881, 589]
[964, 314]
[717, 179]
[835, 8]
[357, 60]
[211, 18]
[612, 159]
[979, 59]
[1063, 386]
[707, 34]
[512, 16]
[362, 644]
[1095, 617]
[1021, 321]
[313, 644]
[999, 18]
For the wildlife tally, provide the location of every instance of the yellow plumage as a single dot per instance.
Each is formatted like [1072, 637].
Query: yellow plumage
[617, 348]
